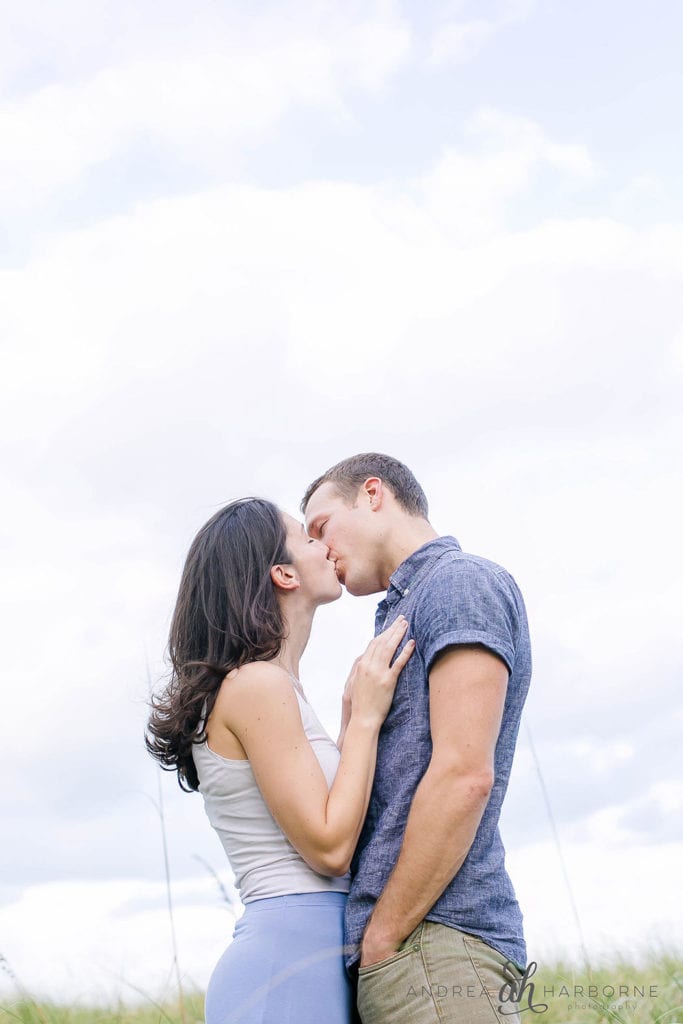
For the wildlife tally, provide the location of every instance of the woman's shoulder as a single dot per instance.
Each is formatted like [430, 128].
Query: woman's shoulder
[257, 673]
[252, 683]
[257, 703]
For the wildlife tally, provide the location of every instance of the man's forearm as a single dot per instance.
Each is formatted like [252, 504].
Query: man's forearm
[443, 820]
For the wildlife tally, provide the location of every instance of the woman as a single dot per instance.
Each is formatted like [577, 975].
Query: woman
[287, 803]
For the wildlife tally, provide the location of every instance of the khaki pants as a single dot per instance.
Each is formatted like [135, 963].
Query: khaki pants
[439, 975]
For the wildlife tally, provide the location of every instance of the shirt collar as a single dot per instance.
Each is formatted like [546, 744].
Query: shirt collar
[409, 571]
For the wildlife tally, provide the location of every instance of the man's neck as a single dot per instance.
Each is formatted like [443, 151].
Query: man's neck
[407, 537]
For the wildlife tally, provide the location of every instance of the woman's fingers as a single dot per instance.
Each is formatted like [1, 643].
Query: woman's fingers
[391, 637]
[400, 621]
[403, 658]
[384, 646]
[375, 677]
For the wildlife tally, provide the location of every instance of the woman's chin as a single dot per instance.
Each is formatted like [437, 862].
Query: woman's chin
[334, 594]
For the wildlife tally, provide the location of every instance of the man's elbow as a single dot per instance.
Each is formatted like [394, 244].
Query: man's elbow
[481, 784]
[472, 783]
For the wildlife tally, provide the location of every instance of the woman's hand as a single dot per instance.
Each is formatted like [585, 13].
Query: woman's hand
[370, 687]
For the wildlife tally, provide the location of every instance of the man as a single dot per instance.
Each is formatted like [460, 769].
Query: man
[433, 929]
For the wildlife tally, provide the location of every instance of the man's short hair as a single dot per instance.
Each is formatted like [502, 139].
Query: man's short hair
[348, 475]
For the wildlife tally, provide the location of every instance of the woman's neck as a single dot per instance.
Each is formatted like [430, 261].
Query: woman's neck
[298, 624]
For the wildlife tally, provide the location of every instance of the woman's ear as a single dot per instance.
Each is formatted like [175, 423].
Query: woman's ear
[284, 577]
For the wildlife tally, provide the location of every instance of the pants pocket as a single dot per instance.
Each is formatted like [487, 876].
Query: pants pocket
[411, 944]
[387, 990]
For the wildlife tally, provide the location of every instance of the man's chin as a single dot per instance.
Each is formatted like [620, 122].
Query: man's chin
[358, 588]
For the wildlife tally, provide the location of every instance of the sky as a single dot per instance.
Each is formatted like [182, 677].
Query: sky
[241, 244]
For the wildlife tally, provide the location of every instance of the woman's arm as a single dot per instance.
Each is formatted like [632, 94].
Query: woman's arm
[346, 707]
[259, 706]
[346, 715]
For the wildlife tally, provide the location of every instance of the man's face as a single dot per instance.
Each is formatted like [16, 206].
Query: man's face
[351, 534]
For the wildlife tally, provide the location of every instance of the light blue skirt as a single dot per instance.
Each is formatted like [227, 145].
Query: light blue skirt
[284, 965]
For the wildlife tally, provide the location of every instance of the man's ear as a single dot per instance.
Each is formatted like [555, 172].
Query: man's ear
[284, 577]
[372, 491]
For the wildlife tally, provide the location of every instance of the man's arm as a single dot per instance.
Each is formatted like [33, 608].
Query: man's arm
[467, 687]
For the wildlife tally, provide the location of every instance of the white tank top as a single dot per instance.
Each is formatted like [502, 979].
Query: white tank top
[262, 859]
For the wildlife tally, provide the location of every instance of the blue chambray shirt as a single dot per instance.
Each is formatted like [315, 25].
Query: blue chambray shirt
[449, 597]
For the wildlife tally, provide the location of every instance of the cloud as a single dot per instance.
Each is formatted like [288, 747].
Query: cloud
[199, 99]
[121, 931]
[643, 199]
[610, 787]
[457, 40]
[469, 193]
[627, 895]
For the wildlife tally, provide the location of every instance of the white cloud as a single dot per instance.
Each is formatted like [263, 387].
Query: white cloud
[603, 758]
[215, 95]
[543, 325]
[631, 821]
[641, 189]
[111, 941]
[625, 894]
[460, 39]
[469, 193]
[526, 136]
[459, 42]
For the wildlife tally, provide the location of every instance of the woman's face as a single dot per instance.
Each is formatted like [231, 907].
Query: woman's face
[309, 557]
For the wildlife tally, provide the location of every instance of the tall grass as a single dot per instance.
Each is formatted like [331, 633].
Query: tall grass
[28, 1011]
[618, 990]
[167, 875]
[652, 993]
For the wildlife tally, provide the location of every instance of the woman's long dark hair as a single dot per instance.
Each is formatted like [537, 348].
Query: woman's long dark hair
[226, 614]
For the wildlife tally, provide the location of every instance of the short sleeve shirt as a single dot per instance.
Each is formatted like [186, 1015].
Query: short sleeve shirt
[449, 597]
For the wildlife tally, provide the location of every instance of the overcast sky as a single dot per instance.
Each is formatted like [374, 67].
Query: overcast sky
[243, 241]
